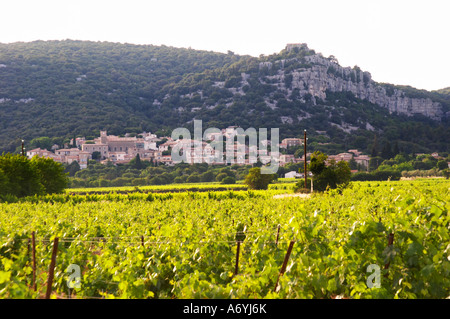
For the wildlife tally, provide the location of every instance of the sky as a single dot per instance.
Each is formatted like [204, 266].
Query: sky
[402, 42]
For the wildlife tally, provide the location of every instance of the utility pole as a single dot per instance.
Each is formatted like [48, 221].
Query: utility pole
[306, 173]
[23, 149]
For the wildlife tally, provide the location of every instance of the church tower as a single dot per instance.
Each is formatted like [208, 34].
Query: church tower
[103, 137]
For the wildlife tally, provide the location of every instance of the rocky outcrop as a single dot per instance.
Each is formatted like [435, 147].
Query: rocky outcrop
[326, 74]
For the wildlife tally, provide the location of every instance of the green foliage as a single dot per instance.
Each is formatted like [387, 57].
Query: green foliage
[149, 174]
[22, 179]
[72, 168]
[221, 176]
[41, 142]
[4, 183]
[188, 244]
[256, 180]
[442, 164]
[194, 178]
[300, 186]
[317, 164]
[404, 165]
[445, 91]
[96, 155]
[446, 173]
[328, 176]
[137, 163]
[382, 175]
[228, 180]
[51, 174]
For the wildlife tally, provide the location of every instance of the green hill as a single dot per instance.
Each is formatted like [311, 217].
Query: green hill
[64, 88]
[445, 91]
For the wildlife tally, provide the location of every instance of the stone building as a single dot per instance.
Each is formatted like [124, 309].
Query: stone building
[289, 142]
[63, 156]
[106, 144]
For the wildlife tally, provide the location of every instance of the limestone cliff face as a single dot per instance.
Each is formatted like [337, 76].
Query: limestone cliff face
[326, 74]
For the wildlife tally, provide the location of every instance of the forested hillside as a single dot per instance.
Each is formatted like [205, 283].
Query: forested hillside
[64, 88]
[61, 88]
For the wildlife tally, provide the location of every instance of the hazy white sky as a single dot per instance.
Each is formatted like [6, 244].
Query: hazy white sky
[397, 41]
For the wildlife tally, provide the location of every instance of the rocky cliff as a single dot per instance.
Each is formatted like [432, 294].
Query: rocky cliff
[318, 74]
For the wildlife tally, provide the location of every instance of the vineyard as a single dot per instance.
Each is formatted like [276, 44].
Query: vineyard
[230, 243]
[282, 183]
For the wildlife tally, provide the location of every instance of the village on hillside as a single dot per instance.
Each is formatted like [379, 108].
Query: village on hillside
[149, 147]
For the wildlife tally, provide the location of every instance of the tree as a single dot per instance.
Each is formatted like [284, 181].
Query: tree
[332, 175]
[317, 163]
[96, 155]
[442, 165]
[343, 173]
[136, 162]
[180, 179]
[194, 178]
[353, 164]
[446, 173]
[207, 176]
[41, 142]
[221, 176]
[374, 151]
[396, 150]
[4, 187]
[51, 173]
[374, 162]
[72, 168]
[228, 180]
[22, 178]
[256, 180]
[386, 151]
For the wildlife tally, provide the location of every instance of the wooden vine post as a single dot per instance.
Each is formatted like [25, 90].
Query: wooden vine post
[278, 235]
[33, 253]
[283, 267]
[240, 237]
[236, 267]
[390, 242]
[51, 269]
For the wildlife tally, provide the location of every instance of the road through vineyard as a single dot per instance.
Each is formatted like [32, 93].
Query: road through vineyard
[183, 244]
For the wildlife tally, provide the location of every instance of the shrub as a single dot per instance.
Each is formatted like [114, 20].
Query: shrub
[20, 177]
[256, 180]
[331, 176]
[299, 187]
[221, 176]
[383, 175]
[228, 180]
[138, 181]
[180, 179]
[51, 173]
[194, 178]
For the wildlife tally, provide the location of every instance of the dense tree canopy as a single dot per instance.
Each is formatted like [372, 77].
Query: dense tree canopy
[21, 177]
[51, 174]
[151, 174]
[256, 180]
[329, 175]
